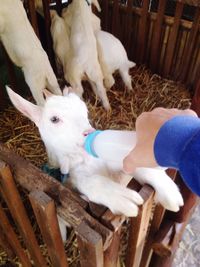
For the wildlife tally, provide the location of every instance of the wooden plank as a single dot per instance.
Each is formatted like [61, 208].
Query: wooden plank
[190, 200]
[113, 222]
[5, 244]
[115, 18]
[2, 97]
[104, 14]
[14, 203]
[142, 32]
[32, 16]
[11, 71]
[47, 20]
[196, 99]
[172, 39]
[31, 178]
[138, 228]
[111, 255]
[167, 239]
[45, 212]
[190, 2]
[128, 26]
[190, 45]
[13, 241]
[27, 175]
[59, 7]
[158, 216]
[154, 57]
[90, 246]
[155, 224]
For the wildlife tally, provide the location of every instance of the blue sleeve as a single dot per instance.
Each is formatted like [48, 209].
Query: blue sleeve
[177, 145]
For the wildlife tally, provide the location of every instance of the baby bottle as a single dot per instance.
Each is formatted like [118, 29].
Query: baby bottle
[110, 145]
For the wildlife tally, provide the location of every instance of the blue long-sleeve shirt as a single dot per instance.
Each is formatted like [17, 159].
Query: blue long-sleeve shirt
[177, 145]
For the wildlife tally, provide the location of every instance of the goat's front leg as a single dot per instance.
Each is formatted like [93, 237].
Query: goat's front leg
[167, 192]
[102, 190]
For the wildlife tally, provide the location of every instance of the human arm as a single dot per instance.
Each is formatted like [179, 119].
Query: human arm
[169, 138]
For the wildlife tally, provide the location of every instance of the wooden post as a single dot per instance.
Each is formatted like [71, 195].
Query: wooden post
[4, 243]
[104, 14]
[13, 241]
[190, 45]
[32, 16]
[157, 36]
[31, 178]
[196, 98]
[128, 26]
[138, 228]
[142, 32]
[158, 216]
[90, 246]
[11, 71]
[47, 19]
[45, 212]
[172, 39]
[115, 20]
[2, 97]
[59, 7]
[12, 198]
[111, 255]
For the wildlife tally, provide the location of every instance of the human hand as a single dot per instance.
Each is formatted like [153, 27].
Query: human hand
[147, 127]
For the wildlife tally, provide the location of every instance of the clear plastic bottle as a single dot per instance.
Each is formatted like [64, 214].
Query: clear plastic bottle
[111, 145]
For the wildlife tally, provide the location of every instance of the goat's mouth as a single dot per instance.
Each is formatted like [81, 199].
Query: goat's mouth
[88, 131]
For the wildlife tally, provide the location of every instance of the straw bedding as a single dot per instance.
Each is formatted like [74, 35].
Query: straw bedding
[149, 91]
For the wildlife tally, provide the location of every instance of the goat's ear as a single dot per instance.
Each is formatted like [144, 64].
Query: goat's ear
[47, 94]
[33, 112]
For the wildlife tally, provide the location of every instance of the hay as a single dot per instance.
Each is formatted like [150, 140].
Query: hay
[149, 91]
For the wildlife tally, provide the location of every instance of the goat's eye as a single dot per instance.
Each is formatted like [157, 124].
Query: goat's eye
[55, 119]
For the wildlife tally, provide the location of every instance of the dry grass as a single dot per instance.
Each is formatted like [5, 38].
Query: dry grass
[149, 91]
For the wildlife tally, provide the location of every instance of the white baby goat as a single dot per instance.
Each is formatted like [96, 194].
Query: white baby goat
[63, 123]
[25, 50]
[82, 58]
[111, 53]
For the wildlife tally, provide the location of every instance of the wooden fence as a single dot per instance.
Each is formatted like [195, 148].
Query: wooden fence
[169, 46]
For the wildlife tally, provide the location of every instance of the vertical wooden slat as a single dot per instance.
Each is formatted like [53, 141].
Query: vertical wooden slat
[168, 238]
[48, 33]
[128, 25]
[142, 32]
[32, 16]
[111, 255]
[13, 241]
[5, 245]
[45, 212]
[172, 39]
[155, 225]
[115, 18]
[59, 6]
[104, 14]
[90, 246]
[190, 45]
[138, 229]
[11, 71]
[2, 97]
[196, 98]
[157, 36]
[12, 198]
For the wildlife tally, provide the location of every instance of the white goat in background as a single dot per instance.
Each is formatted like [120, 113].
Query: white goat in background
[25, 50]
[82, 58]
[111, 53]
